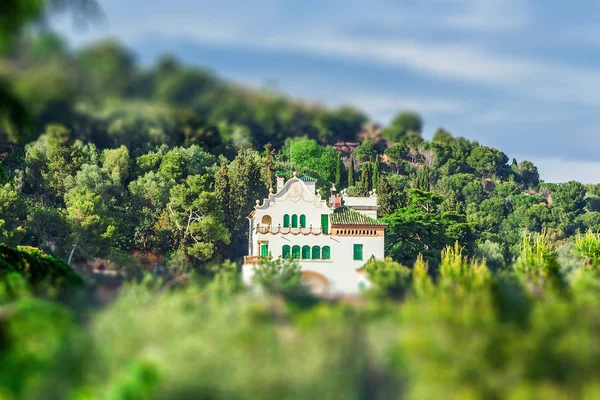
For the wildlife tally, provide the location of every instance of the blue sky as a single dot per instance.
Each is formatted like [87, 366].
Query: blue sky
[521, 76]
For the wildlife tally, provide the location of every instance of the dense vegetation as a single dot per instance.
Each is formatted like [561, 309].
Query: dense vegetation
[490, 291]
[120, 160]
[525, 332]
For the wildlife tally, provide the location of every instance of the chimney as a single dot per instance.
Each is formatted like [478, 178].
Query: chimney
[280, 179]
[333, 192]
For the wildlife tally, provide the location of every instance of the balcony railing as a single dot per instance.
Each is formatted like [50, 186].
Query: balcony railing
[253, 259]
[270, 229]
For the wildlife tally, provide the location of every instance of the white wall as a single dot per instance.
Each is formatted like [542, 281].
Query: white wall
[340, 270]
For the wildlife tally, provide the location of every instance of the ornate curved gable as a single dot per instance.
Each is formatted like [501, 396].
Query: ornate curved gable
[294, 190]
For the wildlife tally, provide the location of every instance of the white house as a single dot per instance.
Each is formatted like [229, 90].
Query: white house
[331, 240]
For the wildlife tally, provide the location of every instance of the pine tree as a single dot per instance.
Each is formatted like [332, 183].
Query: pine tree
[339, 173]
[351, 171]
[376, 171]
[268, 170]
[385, 197]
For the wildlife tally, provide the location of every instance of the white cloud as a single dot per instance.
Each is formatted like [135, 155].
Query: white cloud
[489, 15]
[441, 57]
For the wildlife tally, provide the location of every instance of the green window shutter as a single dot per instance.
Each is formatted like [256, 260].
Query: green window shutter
[294, 221]
[296, 252]
[286, 221]
[264, 250]
[358, 251]
[325, 223]
[285, 251]
[306, 252]
[303, 221]
[316, 253]
[326, 254]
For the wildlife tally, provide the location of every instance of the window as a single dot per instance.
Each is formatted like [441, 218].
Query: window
[306, 252]
[294, 221]
[296, 252]
[303, 221]
[326, 253]
[358, 251]
[266, 220]
[264, 250]
[316, 253]
[286, 221]
[285, 251]
[325, 223]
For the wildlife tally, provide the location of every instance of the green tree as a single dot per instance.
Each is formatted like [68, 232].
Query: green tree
[376, 173]
[109, 66]
[404, 126]
[487, 161]
[366, 179]
[385, 197]
[13, 215]
[117, 162]
[390, 278]
[199, 223]
[422, 228]
[339, 172]
[277, 276]
[397, 154]
[351, 172]
[268, 171]
[422, 180]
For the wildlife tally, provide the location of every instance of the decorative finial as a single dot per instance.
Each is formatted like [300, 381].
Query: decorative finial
[271, 190]
[294, 174]
[333, 189]
[257, 202]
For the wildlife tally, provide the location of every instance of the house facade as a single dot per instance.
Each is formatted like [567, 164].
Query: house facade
[330, 239]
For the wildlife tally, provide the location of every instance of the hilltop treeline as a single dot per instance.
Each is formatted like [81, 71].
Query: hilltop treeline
[114, 159]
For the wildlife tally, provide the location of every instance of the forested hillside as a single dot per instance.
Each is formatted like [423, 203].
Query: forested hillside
[116, 160]
[492, 290]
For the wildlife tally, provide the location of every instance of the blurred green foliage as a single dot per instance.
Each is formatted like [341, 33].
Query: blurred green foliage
[468, 333]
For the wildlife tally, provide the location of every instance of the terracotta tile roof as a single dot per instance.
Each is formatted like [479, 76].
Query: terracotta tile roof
[346, 216]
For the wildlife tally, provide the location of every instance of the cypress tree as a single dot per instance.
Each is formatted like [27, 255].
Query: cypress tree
[351, 171]
[223, 189]
[268, 170]
[376, 171]
[385, 197]
[421, 181]
[339, 172]
[366, 178]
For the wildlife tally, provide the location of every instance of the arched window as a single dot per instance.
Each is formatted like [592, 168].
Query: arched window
[306, 252]
[266, 220]
[285, 251]
[303, 221]
[326, 253]
[286, 221]
[294, 221]
[316, 252]
[296, 252]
